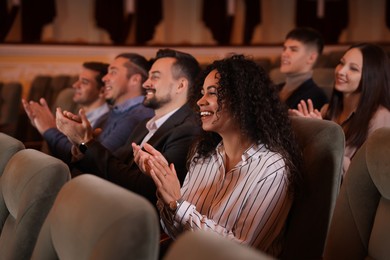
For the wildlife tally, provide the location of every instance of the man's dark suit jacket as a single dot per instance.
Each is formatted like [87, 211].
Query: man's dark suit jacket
[173, 139]
[306, 90]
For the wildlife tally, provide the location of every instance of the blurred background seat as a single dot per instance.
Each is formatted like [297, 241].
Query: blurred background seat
[276, 76]
[333, 58]
[264, 62]
[10, 104]
[65, 101]
[40, 88]
[324, 77]
[49, 88]
[57, 84]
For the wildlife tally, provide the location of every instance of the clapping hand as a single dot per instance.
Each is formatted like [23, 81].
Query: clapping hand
[305, 110]
[39, 114]
[163, 174]
[76, 127]
[141, 157]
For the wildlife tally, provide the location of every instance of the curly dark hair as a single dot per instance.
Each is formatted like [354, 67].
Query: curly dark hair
[246, 91]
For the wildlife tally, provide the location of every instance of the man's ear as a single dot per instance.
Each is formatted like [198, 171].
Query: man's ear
[183, 85]
[313, 57]
[136, 78]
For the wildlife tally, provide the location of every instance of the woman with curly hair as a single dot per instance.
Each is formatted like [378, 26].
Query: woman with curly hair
[243, 171]
[360, 101]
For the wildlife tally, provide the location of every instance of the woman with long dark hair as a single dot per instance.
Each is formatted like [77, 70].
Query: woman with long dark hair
[360, 101]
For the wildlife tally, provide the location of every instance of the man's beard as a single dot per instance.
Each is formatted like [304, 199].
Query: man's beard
[154, 103]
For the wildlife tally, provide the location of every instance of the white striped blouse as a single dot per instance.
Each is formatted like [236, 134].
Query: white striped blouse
[248, 204]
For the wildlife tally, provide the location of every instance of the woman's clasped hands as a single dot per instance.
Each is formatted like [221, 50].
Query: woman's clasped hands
[153, 163]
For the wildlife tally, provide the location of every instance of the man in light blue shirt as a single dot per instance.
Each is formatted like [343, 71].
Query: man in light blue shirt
[88, 93]
[123, 89]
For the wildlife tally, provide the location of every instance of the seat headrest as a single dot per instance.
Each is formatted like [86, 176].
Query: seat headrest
[26, 178]
[378, 160]
[8, 147]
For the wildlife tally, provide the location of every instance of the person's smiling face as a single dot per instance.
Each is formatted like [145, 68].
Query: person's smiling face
[213, 119]
[116, 80]
[161, 84]
[296, 57]
[348, 72]
[86, 88]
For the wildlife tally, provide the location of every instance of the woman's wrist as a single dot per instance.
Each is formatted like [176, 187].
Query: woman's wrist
[174, 205]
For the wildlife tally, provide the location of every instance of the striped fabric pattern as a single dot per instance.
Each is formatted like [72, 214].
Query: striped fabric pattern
[248, 204]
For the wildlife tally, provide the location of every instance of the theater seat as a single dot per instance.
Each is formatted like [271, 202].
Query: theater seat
[360, 227]
[324, 77]
[10, 98]
[65, 101]
[8, 147]
[322, 143]
[28, 187]
[57, 84]
[40, 88]
[210, 246]
[276, 76]
[96, 219]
